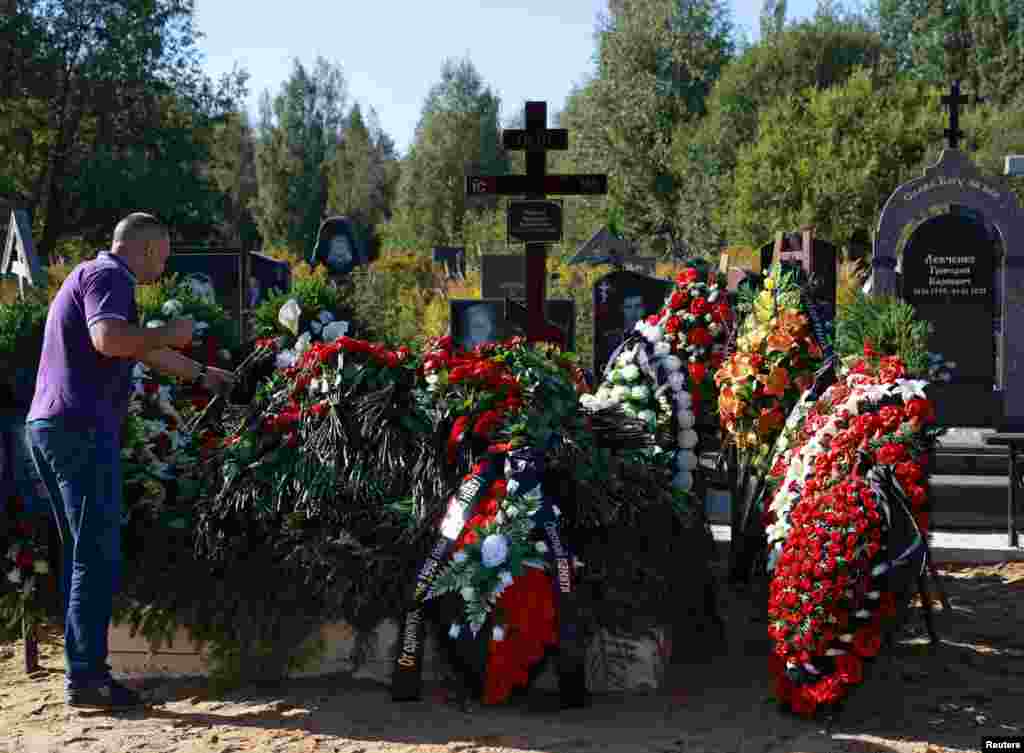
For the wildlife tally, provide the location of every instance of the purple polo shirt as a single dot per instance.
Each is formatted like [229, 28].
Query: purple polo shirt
[76, 383]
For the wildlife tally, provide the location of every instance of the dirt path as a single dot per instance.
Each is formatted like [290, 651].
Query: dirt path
[920, 702]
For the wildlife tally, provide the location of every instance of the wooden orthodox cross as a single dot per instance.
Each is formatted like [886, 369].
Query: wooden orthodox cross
[539, 221]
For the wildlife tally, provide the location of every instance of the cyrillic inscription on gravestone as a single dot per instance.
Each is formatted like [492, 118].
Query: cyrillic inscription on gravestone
[621, 299]
[948, 275]
[503, 275]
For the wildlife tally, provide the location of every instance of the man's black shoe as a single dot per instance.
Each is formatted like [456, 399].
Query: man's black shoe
[113, 696]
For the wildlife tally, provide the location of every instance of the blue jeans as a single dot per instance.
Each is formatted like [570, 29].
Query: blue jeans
[82, 472]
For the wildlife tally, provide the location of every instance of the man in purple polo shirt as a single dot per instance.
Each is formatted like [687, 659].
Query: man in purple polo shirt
[91, 344]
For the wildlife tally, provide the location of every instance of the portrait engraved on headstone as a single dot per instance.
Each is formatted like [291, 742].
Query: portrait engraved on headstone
[337, 246]
[621, 299]
[474, 322]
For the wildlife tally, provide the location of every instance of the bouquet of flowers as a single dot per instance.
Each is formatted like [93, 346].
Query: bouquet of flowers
[774, 362]
[672, 354]
[25, 564]
[828, 532]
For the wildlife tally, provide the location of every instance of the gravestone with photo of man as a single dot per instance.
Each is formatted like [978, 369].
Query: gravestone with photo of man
[482, 320]
[340, 246]
[213, 274]
[621, 299]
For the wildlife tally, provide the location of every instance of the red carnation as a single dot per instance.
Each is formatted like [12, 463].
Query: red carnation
[867, 642]
[699, 306]
[700, 337]
[687, 276]
[721, 312]
[151, 388]
[672, 325]
[653, 319]
[891, 453]
[455, 437]
[698, 371]
[923, 410]
[679, 299]
[487, 423]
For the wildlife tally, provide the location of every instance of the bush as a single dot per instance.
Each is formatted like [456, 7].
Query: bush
[891, 327]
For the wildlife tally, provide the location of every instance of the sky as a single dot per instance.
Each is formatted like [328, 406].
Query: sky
[391, 51]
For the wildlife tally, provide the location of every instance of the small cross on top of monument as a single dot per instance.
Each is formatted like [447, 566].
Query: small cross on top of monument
[953, 101]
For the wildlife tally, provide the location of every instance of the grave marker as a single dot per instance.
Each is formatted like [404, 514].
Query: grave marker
[535, 185]
[621, 299]
[339, 245]
[454, 260]
[476, 321]
[19, 256]
[221, 269]
[503, 276]
[948, 274]
[817, 258]
[955, 181]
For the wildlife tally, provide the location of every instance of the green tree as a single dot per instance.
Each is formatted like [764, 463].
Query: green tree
[773, 17]
[832, 158]
[232, 168]
[657, 62]
[298, 135]
[917, 34]
[457, 135]
[93, 83]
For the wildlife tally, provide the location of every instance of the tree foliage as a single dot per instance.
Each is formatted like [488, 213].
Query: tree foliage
[298, 136]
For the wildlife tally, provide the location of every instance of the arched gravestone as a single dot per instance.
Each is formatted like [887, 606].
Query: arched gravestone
[948, 274]
[339, 245]
[954, 180]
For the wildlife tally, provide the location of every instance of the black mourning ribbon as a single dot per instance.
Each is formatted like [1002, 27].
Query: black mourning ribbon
[525, 467]
[407, 679]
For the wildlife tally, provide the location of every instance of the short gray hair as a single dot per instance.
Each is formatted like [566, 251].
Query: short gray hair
[139, 226]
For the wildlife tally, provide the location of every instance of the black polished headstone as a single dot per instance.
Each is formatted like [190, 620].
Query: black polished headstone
[503, 275]
[948, 273]
[454, 260]
[266, 275]
[221, 269]
[619, 295]
[473, 321]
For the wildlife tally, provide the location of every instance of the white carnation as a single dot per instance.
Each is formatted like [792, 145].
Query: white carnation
[646, 416]
[172, 308]
[640, 392]
[454, 631]
[541, 547]
[154, 323]
[631, 373]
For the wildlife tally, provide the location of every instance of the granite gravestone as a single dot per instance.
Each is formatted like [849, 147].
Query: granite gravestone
[503, 275]
[454, 260]
[212, 272]
[621, 299]
[476, 321]
[267, 277]
[948, 274]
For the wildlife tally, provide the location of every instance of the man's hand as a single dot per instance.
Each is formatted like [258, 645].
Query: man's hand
[179, 333]
[218, 381]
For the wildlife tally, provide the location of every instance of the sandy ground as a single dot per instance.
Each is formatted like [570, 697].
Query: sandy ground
[920, 701]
